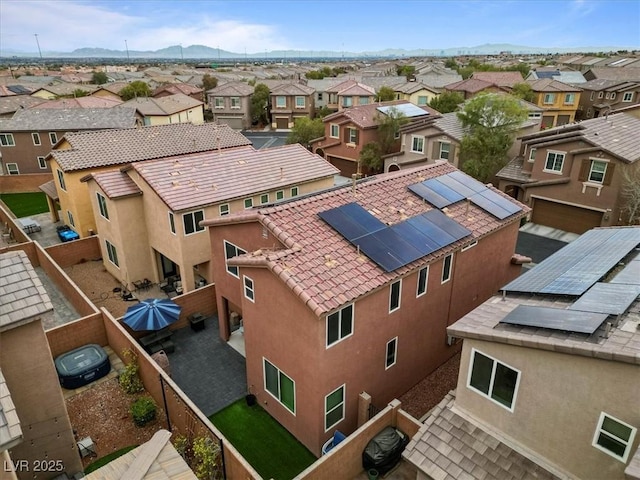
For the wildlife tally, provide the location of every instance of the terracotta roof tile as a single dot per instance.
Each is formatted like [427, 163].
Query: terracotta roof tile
[502, 79]
[292, 89]
[116, 184]
[365, 116]
[240, 89]
[551, 85]
[50, 189]
[471, 85]
[81, 102]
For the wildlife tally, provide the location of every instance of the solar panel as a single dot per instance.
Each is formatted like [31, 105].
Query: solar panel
[429, 195]
[429, 229]
[379, 252]
[468, 181]
[447, 224]
[610, 298]
[457, 186]
[443, 190]
[351, 221]
[555, 319]
[629, 274]
[408, 231]
[406, 109]
[488, 205]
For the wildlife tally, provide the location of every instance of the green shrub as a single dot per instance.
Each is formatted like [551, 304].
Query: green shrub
[129, 379]
[181, 444]
[205, 452]
[143, 411]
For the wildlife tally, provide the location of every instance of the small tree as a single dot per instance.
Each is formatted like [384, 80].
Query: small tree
[371, 157]
[447, 102]
[99, 78]
[135, 89]
[631, 193]
[209, 82]
[129, 379]
[523, 91]
[405, 71]
[388, 133]
[304, 130]
[385, 94]
[260, 103]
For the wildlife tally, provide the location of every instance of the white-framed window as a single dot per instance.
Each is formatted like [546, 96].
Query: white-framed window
[423, 100]
[63, 186]
[532, 154]
[319, 96]
[549, 98]
[613, 95]
[249, 292]
[469, 245]
[347, 101]
[493, 379]
[628, 97]
[423, 280]
[589, 112]
[264, 198]
[224, 209]
[417, 144]
[391, 352]
[295, 191]
[614, 437]
[53, 138]
[600, 94]
[593, 94]
[35, 136]
[281, 101]
[447, 268]
[281, 386]
[112, 253]
[363, 100]
[6, 140]
[554, 162]
[230, 251]
[569, 98]
[248, 202]
[191, 222]
[300, 101]
[71, 220]
[172, 223]
[218, 102]
[395, 292]
[607, 95]
[235, 103]
[42, 163]
[445, 148]
[12, 169]
[334, 407]
[352, 135]
[102, 205]
[279, 194]
[340, 325]
[334, 131]
[597, 171]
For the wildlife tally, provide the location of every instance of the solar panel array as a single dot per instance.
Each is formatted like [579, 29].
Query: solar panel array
[555, 319]
[573, 269]
[392, 247]
[609, 298]
[406, 109]
[448, 189]
[630, 274]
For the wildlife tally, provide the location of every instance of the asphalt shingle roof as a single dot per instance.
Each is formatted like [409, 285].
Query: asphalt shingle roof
[69, 119]
[118, 147]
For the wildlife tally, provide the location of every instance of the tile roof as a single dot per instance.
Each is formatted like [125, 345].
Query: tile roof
[16, 102]
[118, 147]
[69, 119]
[502, 79]
[551, 85]
[513, 171]
[50, 189]
[292, 89]
[358, 89]
[22, 295]
[413, 87]
[81, 102]
[438, 80]
[200, 179]
[337, 87]
[451, 447]
[606, 84]
[163, 105]
[614, 73]
[116, 184]
[450, 124]
[68, 88]
[365, 116]
[471, 85]
[10, 431]
[183, 88]
[240, 89]
[324, 269]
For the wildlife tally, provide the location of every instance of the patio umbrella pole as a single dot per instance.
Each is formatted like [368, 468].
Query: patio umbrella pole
[164, 399]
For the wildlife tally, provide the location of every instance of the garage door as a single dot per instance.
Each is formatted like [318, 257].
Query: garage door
[282, 123]
[564, 217]
[346, 167]
[233, 122]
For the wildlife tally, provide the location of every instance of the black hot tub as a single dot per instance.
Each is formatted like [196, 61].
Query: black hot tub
[82, 366]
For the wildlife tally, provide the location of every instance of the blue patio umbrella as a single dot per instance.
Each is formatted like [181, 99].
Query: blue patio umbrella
[152, 314]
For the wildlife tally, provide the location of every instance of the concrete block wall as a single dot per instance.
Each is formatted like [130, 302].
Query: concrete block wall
[89, 329]
[23, 183]
[78, 251]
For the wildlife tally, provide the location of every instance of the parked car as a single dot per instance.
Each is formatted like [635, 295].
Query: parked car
[66, 234]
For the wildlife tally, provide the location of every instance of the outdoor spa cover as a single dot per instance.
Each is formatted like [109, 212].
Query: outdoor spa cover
[82, 366]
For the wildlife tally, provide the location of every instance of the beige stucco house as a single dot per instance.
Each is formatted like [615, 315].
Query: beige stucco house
[177, 108]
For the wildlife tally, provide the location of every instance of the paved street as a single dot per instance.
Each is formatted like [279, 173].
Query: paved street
[266, 139]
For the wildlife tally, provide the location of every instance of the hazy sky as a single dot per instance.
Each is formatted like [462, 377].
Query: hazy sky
[355, 26]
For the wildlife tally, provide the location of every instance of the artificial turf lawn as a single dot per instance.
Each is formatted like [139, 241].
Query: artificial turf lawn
[107, 458]
[270, 449]
[25, 204]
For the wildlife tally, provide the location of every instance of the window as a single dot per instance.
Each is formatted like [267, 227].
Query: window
[493, 379]
[446, 268]
[392, 349]
[281, 102]
[230, 251]
[218, 102]
[445, 148]
[6, 140]
[597, 171]
[334, 408]
[353, 135]
[549, 98]
[422, 100]
[554, 162]
[423, 277]
[53, 138]
[102, 205]
[248, 288]
[339, 325]
[112, 253]
[347, 101]
[363, 100]
[172, 223]
[592, 95]
[279, 194]
[532, 155]
[71, 220]
[42, 163]
[628, 97]
[319, 96]
[279, 385]
[191, 222]
[334, 131]
[394, 296]
[224, 209]
[12, 169]
[614, 437]
[248, 202]
[294, 191]
[569, 98]
[469, 245]
[613, 95]
[61, 180]
[600, 94]
[264, 198]
[300, 103]
[606, 95]
[35, 136]
[235, 102]
[417, 144]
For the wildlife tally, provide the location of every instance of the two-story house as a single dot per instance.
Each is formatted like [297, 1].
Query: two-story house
[501, 79]
[148, 214]
[194, 92]
[28, 137]
[350, 290]
[473, 86]
[176, 108]
[559, 100]
[417, 93]
[81, 154]
[573, 176]
[230, 104]
[548, 384]
[349, 93]
[290, 101]
[602, 96]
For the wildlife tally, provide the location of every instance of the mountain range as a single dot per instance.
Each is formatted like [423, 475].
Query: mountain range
[204, 52]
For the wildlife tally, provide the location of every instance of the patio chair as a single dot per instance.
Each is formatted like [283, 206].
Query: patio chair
[337, 437]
